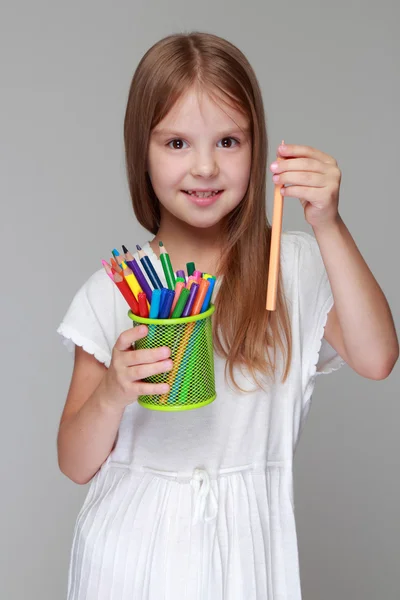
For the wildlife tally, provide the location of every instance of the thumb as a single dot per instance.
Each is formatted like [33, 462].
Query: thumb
[129, 337]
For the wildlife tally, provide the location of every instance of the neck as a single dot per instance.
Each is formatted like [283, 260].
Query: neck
[189, 244]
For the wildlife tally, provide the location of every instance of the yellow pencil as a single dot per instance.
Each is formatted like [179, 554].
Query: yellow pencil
[131, 280]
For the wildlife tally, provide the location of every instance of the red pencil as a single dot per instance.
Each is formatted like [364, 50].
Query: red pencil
[123, 288]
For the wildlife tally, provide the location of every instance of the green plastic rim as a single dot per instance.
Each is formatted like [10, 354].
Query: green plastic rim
[178, 407]
[177, 321]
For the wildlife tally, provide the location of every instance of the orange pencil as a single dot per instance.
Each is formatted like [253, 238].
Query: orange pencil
[276, 232]
[116, 266]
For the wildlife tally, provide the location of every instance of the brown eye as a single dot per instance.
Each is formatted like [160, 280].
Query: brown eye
[178, 144]
[227, 142]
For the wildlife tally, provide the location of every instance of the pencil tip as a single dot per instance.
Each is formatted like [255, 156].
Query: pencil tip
[138, 247]
[160, 244]
[125, 249]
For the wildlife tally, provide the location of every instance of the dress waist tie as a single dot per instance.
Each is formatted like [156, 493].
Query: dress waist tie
[205, 500]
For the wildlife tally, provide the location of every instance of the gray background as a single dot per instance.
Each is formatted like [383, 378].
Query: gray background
[329, 80]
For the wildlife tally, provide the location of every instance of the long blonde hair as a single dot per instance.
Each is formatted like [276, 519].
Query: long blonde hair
[168, 69]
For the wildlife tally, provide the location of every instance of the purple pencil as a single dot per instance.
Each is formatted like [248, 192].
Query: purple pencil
[132, 264]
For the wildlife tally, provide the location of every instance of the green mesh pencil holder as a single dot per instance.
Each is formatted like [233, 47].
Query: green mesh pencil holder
[191, 379]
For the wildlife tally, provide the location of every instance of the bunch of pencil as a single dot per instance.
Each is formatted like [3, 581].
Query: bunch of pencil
[184, 296]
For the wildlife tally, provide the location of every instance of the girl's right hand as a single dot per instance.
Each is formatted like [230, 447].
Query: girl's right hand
[128, 367]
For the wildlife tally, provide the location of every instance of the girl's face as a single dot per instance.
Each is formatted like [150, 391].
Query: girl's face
[198, 146]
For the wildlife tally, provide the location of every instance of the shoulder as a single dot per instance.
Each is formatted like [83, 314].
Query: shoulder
[106, 300]
[298, 241]
[301, 260]
[300, 248]
[99, 287]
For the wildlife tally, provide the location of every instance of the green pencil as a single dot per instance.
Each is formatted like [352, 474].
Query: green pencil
[167, 267]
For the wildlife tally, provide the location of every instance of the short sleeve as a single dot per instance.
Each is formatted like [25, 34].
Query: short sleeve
[89, 321]
[315, 302]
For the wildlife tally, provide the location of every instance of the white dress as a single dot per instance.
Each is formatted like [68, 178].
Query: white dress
[198, 504]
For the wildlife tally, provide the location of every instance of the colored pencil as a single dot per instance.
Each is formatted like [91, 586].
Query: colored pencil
[276, 232]
[132, 264]
[149, 268]
[123, 288]
[167, 267]
[131, 280]
[116, 266]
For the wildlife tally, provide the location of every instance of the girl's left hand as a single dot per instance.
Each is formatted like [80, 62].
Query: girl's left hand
[315, 179]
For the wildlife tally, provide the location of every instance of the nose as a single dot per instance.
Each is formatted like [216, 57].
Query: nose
[205, 165]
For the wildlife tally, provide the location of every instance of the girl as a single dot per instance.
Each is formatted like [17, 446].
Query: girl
[199, 504]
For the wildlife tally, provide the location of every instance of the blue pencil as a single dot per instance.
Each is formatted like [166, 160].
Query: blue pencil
[148, 267]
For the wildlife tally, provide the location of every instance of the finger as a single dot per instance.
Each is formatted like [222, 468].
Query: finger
[143, 388]
[146, 355]
[306, 151]
[300, 192]
[301, 178]
[142, 371]
[302, 164]
[128, 337]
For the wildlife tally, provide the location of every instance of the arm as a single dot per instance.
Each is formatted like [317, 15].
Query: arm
[89, 423]
[360, 325]
[97, 399]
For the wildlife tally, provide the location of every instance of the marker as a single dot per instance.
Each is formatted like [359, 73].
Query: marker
[143, 308]
[180, 305]
[190, 267]
[155, 304]
[207, 299]
[166, 306]
[200, 296]
[192, 295]
[178, 289]
[180, 274]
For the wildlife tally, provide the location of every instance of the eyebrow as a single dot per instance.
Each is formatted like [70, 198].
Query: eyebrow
[178, 134]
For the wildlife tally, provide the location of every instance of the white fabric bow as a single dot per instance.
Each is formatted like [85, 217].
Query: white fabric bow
[205, 505]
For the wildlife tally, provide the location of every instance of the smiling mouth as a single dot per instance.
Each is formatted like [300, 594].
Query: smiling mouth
[202, 194]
